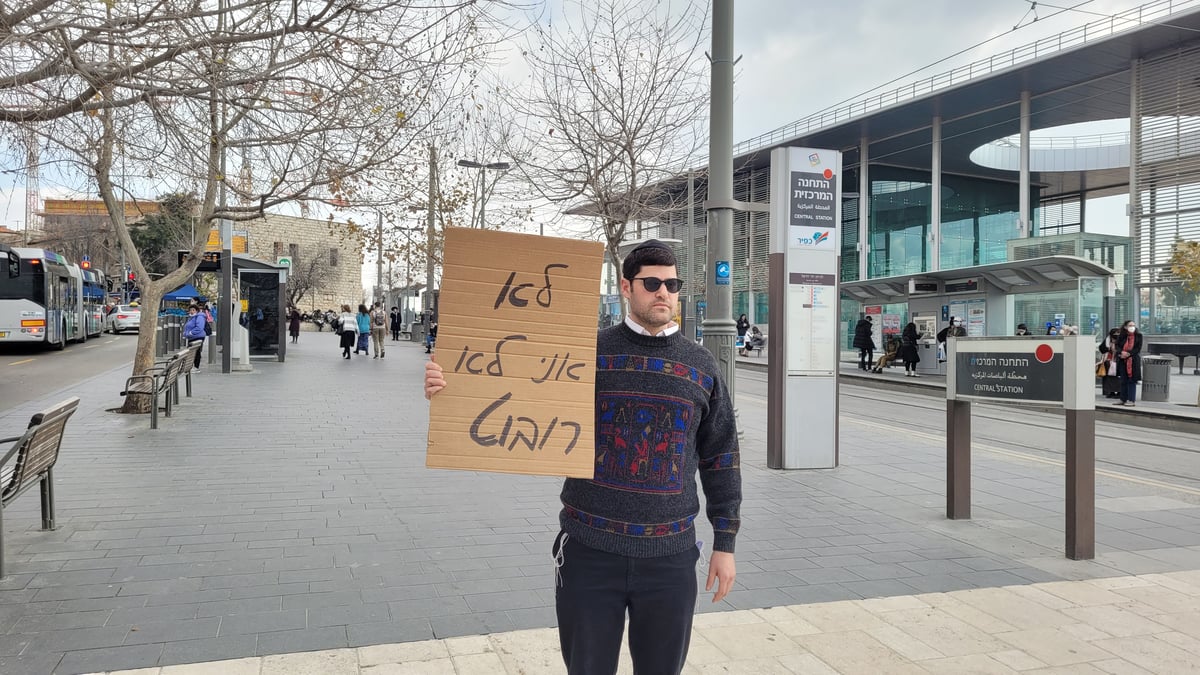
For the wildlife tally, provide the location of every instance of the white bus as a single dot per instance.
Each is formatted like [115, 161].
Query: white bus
[43, 298]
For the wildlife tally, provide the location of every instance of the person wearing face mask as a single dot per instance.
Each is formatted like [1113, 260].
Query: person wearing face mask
[1022, 329]
[954, 329]
[1110, 384]
[1129, 363]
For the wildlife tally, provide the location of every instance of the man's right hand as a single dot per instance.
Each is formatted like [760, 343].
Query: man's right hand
[434, 382]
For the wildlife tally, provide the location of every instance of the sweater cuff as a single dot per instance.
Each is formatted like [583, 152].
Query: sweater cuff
[723, 541]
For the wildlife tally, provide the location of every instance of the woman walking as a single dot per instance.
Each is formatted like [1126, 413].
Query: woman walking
[363, 320]
[908, 349]
[348, 328]
[1129, 363]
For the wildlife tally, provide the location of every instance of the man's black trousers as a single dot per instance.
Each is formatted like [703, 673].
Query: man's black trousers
[593, 591]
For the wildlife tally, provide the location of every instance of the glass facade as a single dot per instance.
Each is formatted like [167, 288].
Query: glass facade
[978, 216]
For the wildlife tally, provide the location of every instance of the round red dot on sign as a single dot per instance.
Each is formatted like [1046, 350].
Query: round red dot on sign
[1044, 353]
[828, 174]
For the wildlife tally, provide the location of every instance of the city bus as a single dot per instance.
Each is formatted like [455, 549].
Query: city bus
[42, 298]
[94, 293]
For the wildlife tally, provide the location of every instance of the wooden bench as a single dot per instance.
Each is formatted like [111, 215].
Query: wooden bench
[162, 380]
[31, 460]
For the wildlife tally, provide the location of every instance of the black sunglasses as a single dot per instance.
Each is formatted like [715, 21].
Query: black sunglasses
[652, 284]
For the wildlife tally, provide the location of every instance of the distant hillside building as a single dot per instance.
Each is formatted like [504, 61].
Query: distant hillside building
[78, 227]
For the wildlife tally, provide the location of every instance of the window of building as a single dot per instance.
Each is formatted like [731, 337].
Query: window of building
[333, 257]
[278, 248]
[294, 252]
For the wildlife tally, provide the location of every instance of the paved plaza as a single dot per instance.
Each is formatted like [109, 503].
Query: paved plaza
[288, 510]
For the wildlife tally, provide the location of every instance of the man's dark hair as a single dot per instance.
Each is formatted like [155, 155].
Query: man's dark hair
[650, 253]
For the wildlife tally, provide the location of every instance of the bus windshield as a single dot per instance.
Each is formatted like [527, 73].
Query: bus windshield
[30, 284]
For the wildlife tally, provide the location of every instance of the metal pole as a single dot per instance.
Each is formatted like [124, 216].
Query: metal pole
[379, 257]
[719, 326]
[428, 304]
[225, 311]
[482, 197]
[692, 278]
[1025, 218]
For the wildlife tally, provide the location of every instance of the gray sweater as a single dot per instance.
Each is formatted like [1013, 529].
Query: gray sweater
[662, 414]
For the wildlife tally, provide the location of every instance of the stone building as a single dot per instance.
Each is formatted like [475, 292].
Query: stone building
[339, 276]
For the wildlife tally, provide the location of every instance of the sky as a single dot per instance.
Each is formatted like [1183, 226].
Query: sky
[798, 58]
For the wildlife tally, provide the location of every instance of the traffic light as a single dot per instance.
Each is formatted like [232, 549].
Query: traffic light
[85, 264]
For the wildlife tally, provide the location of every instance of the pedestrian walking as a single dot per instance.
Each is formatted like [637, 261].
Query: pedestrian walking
[1129, 364]
[378, 329]
[395, 322]
[347, 326]
[193, 331]
[864, 342]
[294, 325]
[363, 324]
[627, 542]
[909, 353]
[431, 338]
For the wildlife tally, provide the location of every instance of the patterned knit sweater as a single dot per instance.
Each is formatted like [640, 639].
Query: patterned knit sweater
[662, 413]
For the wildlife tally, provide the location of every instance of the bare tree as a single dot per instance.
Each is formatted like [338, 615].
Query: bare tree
[310, 98]
[308, 275]
[617, 97]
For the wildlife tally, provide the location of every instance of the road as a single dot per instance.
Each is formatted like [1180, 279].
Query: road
[1168, 460]
[28, 373]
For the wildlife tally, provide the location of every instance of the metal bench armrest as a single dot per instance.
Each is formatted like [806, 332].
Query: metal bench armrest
[8, 455]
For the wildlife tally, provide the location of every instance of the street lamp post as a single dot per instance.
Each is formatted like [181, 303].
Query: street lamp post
[495, 166]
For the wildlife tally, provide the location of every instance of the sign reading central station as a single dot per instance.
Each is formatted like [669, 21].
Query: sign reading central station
[1035, 375]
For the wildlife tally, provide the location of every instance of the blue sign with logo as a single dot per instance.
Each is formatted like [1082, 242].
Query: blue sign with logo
[723, 273]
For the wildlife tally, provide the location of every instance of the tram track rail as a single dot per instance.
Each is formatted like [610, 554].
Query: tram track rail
[1033, 424]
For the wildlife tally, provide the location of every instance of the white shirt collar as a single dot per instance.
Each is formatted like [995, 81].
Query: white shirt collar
[671, 329]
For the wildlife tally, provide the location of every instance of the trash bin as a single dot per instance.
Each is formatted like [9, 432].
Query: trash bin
[1156, 378]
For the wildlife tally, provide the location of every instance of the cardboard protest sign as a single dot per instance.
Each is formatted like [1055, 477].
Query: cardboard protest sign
[517, 342]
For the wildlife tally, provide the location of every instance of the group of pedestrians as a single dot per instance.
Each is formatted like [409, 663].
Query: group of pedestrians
[1120, 365]
[363, 330]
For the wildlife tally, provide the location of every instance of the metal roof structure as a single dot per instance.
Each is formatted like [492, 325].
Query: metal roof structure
[1034, 275]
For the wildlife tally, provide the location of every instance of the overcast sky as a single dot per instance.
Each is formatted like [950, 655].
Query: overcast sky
[800, 57]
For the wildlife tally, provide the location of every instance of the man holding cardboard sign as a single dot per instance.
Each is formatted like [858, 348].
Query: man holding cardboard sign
[628, 543]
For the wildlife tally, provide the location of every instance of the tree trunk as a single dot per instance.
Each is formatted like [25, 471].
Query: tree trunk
[143, 358]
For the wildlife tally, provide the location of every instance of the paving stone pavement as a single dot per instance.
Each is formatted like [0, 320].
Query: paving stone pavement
[1122, 625]
[288, 510]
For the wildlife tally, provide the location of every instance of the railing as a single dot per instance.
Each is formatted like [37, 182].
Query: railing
[1068, 142]
[1152, 12]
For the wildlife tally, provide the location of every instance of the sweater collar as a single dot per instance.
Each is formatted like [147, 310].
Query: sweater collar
[634, 326]
[641, 338]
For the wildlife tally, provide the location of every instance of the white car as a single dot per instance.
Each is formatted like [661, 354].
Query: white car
[123, 318]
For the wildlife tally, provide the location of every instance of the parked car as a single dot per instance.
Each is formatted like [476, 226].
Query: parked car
[123, 318]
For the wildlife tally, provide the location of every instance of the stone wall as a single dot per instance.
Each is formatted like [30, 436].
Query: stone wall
[277, 235]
